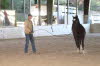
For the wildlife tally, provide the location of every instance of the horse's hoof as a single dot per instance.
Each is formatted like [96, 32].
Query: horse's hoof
[83, 52]
[78, 51]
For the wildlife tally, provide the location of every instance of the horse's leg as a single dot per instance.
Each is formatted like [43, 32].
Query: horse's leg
[82, 44]
[83, 47]
[78, 46]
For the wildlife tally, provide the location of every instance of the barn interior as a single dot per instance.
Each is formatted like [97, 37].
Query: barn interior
[52, 20]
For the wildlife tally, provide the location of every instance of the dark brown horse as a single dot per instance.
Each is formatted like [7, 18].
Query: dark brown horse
[78, 33]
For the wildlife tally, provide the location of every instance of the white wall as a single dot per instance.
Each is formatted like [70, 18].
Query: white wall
[18, 32]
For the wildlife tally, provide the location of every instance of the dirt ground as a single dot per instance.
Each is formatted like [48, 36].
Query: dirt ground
[51, 51]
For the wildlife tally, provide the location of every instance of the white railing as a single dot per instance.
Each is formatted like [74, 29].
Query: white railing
[95, 18]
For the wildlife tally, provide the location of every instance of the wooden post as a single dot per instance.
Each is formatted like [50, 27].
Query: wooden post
[0, 4]
[15, 20]
[29, 6]
[35, 1]
[58, 11]
[86, 10]
[24, 6]
[49, 11]
[67, 10]
[39, 19]
[76, 7]
[12, 6]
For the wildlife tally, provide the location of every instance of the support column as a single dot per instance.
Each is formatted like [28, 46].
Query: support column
[29, 6]
[67, 10]
[0, 4]
[86, 10]
[77, 7]
[35, 1]
[39, 19]
[49, 11]
[24, 6]
[58, 11]
[12, 4]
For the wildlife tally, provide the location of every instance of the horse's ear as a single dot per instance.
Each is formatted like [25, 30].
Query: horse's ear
[72, 16]
[76, 15]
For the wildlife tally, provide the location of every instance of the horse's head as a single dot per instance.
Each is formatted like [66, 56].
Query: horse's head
[75, 18]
